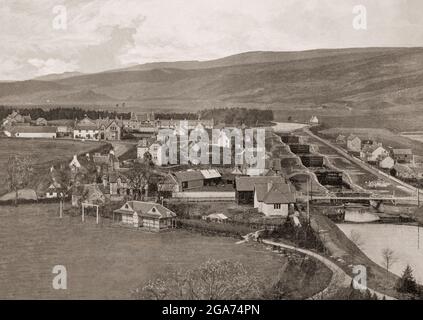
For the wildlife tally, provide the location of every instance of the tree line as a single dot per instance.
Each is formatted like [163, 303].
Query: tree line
[237, 116]
[62, 113]
[229, 116]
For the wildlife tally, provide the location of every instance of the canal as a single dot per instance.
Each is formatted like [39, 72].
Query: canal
[405, 240]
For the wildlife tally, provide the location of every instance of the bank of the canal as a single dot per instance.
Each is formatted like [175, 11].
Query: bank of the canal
[348, 254]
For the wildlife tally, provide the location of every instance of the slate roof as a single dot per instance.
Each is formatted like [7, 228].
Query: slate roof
[147, 209]
[210, 174]
[32, 129]
[279, 193]
[183, 176]
[352, 137]
[402, 151]
[247, 183]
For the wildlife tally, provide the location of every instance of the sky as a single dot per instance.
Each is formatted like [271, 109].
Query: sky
[98, 35]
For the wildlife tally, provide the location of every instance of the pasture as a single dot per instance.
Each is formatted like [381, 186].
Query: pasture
[42, 152]
[105, 261]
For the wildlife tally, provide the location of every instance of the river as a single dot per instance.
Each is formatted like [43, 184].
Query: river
[402, 239]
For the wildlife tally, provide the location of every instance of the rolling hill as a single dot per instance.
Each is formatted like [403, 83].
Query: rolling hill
[350, 79]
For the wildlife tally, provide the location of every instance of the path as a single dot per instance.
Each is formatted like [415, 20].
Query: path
[381, 175]
[340, 279]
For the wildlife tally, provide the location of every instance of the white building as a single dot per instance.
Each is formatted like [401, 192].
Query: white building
[353, 143]
[273, 199]
[314, 120]
[387, 163]
[31, 132]
[86, 129]
[373, 153]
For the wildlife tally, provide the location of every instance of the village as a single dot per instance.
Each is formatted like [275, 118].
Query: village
[139, 181]
[309, 179]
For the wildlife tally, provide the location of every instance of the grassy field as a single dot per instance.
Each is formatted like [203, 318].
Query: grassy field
[105, 261]
[42, 152]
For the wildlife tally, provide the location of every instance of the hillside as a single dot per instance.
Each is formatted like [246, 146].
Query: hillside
[350, 79]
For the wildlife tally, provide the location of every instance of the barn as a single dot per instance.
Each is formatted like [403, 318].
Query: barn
[32, 132]
[188, 180]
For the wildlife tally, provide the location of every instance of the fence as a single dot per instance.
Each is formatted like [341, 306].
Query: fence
[205, 196]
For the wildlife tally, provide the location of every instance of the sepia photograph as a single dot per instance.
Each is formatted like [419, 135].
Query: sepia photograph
[224, 151]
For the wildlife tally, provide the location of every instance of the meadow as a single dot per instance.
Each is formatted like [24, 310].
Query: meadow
[43, 153]
[105, 261]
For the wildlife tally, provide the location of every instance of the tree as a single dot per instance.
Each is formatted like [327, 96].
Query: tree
[223, 280]
[388, 258]
[140, 176]
[407, 283]
[19, 171]
[64, 177]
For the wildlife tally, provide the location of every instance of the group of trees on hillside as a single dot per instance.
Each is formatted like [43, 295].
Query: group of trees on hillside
[177, 116]
[62, 113]
[237, 116]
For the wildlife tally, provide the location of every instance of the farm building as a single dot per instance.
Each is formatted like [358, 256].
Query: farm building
[188, 180]
[300, 148]
[373, 153]
[211, 177]
[341, 139]
[353, 143]
[41, 122]
[167, 186]
[273, 199]
[245, 187]
[312, 161]
[31, 132]
[14, 118]
[146, 215]
[402, 155]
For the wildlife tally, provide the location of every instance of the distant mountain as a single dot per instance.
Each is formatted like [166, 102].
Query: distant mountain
[58, 76]
[360, 78]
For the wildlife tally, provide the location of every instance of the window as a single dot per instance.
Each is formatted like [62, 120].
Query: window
[277, 206]
[184, 184]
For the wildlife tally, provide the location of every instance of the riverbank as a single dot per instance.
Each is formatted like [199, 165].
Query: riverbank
[406, 241]
[348, 254]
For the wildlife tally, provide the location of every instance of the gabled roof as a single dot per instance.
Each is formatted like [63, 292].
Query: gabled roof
[352, 137]
[279, 193]
[247, 183]
[402, 151]
[146, 209]
[86, 124]
[370, 148]
[210, 174]
[32, 129]
[183, 176]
